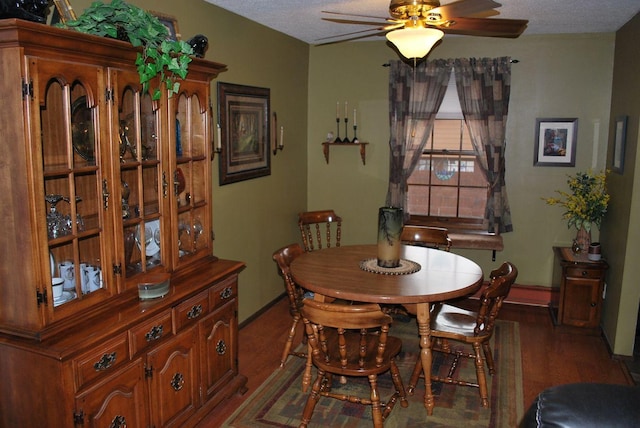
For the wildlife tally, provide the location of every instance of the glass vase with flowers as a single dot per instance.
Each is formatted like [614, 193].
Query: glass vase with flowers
[586, 204]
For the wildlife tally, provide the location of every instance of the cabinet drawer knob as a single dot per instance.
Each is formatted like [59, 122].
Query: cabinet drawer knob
[105, 362]
[195, 312]
[155, 333]
[118, 422]
[226, 293]
[177, 382]
[221, 347]
[593, 305]
[585, 273]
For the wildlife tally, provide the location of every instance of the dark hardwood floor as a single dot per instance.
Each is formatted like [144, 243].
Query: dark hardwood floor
[549, 356]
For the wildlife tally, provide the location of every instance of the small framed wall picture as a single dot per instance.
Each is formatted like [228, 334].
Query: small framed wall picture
[170, 22]
[619, 141]
[555, 143]
[64, 11]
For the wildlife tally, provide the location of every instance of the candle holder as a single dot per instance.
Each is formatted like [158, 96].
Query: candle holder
[346, 131]
[337, 140]
[355, 135]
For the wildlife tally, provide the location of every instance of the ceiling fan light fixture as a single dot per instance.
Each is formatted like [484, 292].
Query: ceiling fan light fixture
[415, 42]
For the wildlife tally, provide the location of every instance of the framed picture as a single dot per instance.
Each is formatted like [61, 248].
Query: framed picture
[64, 10]
[170, 22]
[555, 142]
[244, 124]
[619, 140]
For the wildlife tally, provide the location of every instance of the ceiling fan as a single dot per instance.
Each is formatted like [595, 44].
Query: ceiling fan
[463, 17]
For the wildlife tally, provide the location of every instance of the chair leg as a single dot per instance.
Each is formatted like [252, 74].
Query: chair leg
[306, 376]
[415, 376]
[288, 344]
[488, 356]
[400, 392]
[482, 379]
[376, 408]
[312, 400]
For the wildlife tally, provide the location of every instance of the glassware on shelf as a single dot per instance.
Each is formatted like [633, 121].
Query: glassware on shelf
[79, 219]
[57, 224]
[197, 231]
[183, 229]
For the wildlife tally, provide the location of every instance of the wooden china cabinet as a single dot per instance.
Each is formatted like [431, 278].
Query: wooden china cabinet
[107, 188]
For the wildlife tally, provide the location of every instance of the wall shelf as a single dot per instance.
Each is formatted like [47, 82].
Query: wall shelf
[363, 149]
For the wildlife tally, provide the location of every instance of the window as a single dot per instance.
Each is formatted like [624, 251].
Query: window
[448, 184]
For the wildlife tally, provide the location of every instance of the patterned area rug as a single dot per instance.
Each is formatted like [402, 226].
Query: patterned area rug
[279, 401]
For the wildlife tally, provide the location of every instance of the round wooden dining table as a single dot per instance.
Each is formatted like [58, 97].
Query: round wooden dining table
[337, 273]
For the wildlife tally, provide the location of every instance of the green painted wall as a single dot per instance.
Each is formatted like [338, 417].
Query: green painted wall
[557, 76]
[621, 232]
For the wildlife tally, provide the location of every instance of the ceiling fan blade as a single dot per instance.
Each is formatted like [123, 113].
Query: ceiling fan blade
[384, 18]
[464, 8]
[352, 21]
[492, 27]
[377, 33]
[377, 30]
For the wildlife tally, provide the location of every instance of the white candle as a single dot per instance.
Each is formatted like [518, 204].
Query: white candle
[281, 137]
[355, 122]
[337, 109]
[346, 110]
[219, 142]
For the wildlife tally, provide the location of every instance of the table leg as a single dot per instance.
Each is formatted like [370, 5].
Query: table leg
[424, 329]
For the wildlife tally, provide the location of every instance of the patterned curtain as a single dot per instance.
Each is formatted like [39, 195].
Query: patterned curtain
[483, 88]
[415, 95]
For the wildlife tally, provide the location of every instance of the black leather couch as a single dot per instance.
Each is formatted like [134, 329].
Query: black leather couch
[585, 405]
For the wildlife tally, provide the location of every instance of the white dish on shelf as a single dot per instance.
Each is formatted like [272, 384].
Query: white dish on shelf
[66, 296]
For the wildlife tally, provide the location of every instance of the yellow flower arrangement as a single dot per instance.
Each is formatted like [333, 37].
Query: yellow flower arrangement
[588, 201]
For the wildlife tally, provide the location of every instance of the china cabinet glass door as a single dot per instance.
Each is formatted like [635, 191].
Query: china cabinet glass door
[191, 191]
[72, 181]
[143, 183]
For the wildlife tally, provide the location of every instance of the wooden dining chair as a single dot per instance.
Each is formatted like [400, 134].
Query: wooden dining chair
[426, 236]
[352, 341]
[450, 323]
[310, 223]
[284, 257]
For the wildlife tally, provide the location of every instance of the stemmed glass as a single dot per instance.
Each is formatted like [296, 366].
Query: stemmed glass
[79, 219]
[197, 231]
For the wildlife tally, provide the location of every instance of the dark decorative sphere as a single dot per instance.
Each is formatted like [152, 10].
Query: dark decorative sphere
[199, 43]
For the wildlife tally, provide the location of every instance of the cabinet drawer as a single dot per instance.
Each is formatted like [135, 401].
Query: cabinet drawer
[190, 311]
[584, 273]
[149, 333]
[224, 292]
[101, 361]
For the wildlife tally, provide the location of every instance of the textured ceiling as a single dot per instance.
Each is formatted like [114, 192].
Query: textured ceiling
[301, 19]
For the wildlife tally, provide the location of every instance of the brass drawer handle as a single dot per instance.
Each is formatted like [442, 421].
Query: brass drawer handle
[177, 382]
[155, 333]
[118, 422]
[105, 362]
[226, 293]
[221, 347]
[195, 312]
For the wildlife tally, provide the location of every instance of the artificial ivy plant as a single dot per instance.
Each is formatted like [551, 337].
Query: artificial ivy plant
[160, 56]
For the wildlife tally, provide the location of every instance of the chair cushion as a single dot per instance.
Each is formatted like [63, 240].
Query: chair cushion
[585, 405]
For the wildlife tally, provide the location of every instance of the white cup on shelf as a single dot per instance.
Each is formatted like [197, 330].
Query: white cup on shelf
[57, 285]
[67, 271]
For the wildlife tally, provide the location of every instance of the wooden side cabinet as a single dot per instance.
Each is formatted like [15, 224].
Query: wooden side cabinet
[579, 287]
